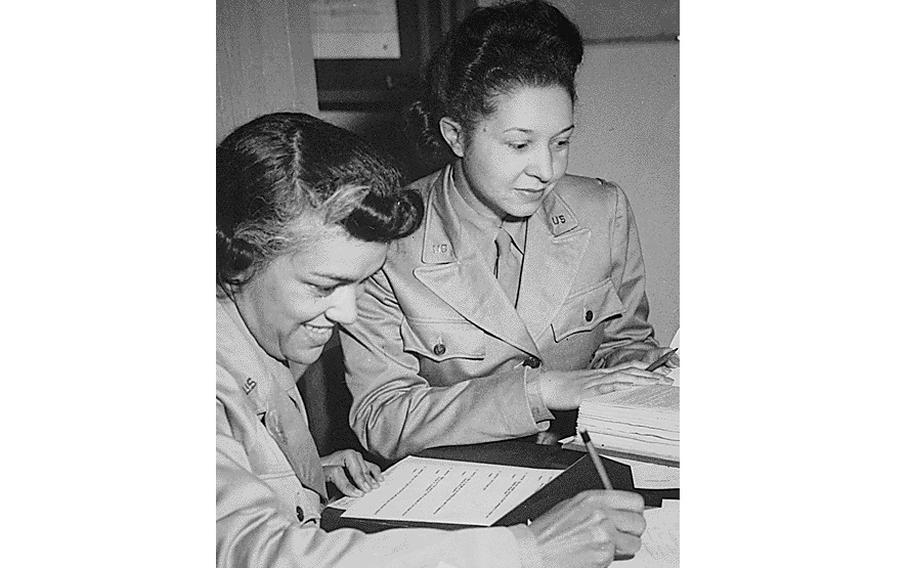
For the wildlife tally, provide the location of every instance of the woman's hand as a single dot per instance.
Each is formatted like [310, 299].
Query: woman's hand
[366, 475]
[564, 390]
[647, 356]
[591, 529]
[655, 354]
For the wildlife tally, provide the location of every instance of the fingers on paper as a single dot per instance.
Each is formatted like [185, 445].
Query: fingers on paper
[373, 473]
[609, 499]
[616, 380]
[631, 365]
[628, 522]
[626, 544]
[336, 475]
[617, 519]
[547, 438]
[362, 472]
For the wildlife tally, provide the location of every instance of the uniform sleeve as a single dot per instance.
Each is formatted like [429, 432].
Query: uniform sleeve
[628, 337]
[252, 531]
[539, 410]
[395, 412]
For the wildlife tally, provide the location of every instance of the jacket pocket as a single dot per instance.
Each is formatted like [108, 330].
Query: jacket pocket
[585, 310]
[443, 339]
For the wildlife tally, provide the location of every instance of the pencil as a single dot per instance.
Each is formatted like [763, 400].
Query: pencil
[663, 359]
[598, 465]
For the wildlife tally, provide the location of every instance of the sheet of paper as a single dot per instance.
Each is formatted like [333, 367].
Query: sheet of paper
[446, 491]
[651, 475]
[660, 543]
[343, 502]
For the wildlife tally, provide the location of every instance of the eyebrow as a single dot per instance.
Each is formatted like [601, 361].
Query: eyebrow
[528, 130]
[335, 277]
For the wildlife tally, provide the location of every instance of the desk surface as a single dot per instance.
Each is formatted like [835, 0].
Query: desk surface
[521, 452]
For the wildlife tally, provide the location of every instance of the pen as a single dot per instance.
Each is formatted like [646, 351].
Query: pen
[598, 465]
[663, 359]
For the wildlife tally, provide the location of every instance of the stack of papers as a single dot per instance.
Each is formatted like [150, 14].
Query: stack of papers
[639, 421]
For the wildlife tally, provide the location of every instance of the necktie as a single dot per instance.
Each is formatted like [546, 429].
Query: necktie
[508, 265]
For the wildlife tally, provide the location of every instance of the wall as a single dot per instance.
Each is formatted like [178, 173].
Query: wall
[264, 60]
[611, 20]
[627, 131]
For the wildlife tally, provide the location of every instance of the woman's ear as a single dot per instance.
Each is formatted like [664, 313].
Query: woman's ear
[452, 134]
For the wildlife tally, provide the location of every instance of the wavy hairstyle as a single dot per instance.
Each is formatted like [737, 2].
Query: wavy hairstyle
[493, 51]
[278, 168]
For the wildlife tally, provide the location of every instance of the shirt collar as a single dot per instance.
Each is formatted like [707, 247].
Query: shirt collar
[481, 226]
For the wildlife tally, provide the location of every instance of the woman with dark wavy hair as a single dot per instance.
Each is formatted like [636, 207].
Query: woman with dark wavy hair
[523, 292]
[306, 212]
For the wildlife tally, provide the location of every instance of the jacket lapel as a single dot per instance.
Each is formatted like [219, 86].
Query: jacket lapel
[454, 270]
[287, 425]
[554, 249]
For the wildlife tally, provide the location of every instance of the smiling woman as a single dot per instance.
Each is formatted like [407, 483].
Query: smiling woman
[293, 304]
[300, 226]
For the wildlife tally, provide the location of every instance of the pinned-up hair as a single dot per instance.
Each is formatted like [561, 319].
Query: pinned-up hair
[278, 168]
[493, 51]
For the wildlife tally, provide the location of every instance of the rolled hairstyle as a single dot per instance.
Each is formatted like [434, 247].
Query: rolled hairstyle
[278, 168]
[493, 51]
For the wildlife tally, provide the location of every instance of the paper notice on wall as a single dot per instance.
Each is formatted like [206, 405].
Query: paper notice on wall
[354, 29]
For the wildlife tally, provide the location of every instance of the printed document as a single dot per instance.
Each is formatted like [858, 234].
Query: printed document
[447, 491]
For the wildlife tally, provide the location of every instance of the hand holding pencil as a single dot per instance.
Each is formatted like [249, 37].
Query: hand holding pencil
[670, 359]
[591, 529]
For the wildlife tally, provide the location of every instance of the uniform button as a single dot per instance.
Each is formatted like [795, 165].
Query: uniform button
[439, 349]
[532, 362]
[589, 315]
[299, 514]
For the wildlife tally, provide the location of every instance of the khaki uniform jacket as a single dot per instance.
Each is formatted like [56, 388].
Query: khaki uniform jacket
[269, 483]
[439, 356]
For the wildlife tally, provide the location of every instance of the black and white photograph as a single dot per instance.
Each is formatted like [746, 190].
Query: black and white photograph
[448, 283]
[455, 244]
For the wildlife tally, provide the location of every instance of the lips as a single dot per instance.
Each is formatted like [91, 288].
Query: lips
[319, 334]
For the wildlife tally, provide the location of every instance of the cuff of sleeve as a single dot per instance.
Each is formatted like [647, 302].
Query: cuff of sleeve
[527, 547]
[539, 410]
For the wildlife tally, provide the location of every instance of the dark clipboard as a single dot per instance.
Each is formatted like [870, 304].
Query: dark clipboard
[579, 476]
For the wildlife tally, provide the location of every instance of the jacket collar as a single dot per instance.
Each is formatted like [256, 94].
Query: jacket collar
[554, 247]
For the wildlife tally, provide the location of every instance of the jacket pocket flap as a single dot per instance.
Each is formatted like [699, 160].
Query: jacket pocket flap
[441, 340]
[584, 310]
